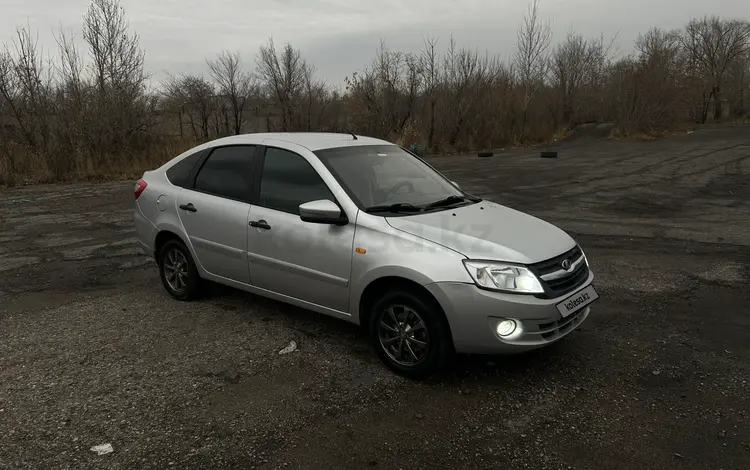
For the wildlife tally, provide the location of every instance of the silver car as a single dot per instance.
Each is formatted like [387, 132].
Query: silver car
[361, 229]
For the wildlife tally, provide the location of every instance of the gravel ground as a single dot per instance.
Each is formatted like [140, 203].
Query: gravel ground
[93, 351]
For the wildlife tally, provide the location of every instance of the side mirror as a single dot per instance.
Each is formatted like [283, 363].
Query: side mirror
[455, 184]
[322, 211]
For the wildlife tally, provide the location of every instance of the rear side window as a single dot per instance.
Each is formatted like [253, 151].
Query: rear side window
[228, 172]
[288, 180]
[179, 173]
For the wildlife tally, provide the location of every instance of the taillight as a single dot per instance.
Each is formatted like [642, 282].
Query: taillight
[139, 187]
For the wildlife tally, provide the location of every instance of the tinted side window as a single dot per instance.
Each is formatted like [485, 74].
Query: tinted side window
[179, 173]
[228, 172]
[288, 180]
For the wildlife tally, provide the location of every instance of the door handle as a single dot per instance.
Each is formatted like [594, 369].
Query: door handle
[188, 207]
[260, 224]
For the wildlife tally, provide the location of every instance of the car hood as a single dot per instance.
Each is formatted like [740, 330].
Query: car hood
[486, 230]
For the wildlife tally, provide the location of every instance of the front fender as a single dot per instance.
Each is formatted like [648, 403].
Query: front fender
[389, 252]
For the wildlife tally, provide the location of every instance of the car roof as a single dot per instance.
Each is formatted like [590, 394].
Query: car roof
[311, 140]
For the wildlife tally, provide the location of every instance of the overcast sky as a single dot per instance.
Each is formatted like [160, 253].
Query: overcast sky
[341, 36]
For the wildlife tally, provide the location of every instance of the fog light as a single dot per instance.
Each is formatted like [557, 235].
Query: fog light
[506, 327]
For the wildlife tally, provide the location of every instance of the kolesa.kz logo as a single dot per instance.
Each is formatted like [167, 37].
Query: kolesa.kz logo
[577, 301]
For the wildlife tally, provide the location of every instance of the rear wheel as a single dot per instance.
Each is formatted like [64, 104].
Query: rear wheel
[410, 334]
[177, 271]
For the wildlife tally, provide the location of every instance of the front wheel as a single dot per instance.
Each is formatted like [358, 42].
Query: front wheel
[410, 334]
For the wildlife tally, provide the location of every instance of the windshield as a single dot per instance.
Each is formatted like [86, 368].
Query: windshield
[381, 175]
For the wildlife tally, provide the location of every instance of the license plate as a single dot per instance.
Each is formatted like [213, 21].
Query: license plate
[577, 301]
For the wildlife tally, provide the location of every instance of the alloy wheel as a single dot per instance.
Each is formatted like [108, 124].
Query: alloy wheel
[176, 269]
[403, 335]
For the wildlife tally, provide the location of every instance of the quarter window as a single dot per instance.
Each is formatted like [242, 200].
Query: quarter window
[228, 172]
[288, 180]
[179, 173]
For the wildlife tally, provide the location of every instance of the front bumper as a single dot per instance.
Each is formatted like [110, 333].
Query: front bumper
[473, 314]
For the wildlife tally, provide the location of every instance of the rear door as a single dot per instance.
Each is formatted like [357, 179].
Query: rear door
[214, 211]
[306, 261]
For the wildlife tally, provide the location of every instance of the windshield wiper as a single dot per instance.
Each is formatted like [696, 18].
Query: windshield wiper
[449, 201]
[397, 207]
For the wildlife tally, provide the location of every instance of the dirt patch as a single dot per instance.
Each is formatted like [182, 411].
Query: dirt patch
[9, 263]
[729, 186]
[655, 205]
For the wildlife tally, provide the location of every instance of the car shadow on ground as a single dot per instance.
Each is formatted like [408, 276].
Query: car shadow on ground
[464, 368]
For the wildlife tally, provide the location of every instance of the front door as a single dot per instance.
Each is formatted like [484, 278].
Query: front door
[214, 211]
[306, 261]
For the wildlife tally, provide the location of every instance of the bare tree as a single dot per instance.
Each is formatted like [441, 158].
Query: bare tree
[197, 97]
[431, 76]
[713, 45]
[572, 63]
[72, 91]
[115, 52]
[71, 67]
[467, 76]
[532, 57]
[738, 84]
[118, 70]
[235, 85]
[9, 114]
[386, 92]
[315, 97]
[282, 78]
[24, 84]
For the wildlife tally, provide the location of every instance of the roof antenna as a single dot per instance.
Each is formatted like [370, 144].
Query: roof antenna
[354, 137]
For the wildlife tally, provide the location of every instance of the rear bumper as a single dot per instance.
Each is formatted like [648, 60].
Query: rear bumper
[474, 313]
[145, 231]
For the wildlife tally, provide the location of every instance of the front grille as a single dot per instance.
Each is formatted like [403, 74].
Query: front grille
[564, 284]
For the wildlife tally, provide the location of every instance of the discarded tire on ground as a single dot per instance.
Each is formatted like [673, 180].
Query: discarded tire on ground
[484, 154]
[549, 154]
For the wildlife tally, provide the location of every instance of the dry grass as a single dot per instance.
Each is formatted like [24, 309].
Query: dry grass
[32, 168]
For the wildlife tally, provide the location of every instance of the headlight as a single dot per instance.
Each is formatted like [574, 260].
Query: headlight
[503, 277]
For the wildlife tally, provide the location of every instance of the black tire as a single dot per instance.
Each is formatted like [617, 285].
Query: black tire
[191, 278]
[485, 154]
[439, 349]
[549, 154]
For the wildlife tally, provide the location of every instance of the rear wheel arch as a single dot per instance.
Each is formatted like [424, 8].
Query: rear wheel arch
[163, 237]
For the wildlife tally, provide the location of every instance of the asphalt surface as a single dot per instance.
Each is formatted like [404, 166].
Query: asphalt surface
[93, 351]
